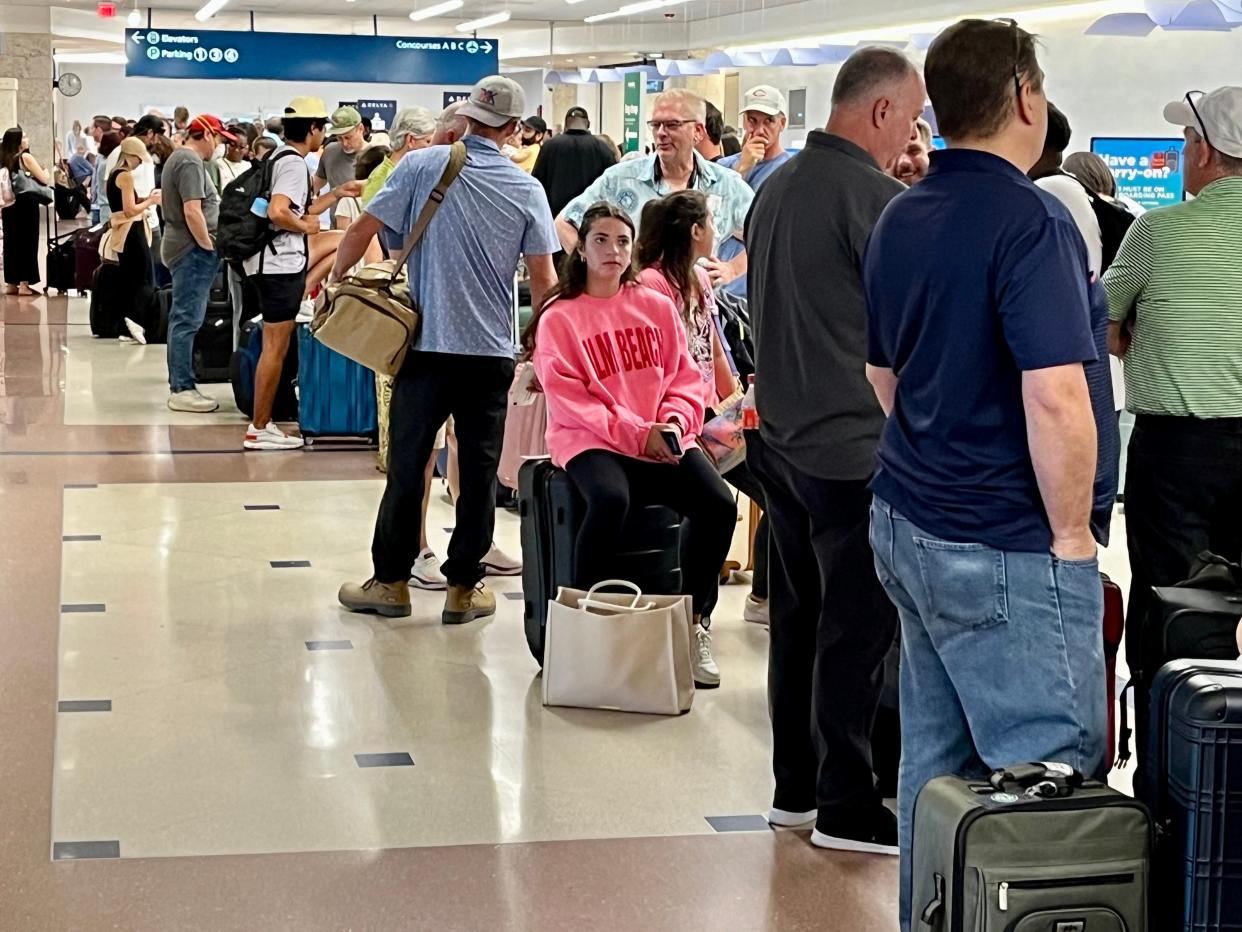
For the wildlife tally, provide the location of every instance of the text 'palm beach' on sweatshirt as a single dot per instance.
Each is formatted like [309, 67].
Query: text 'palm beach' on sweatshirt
[612, 367]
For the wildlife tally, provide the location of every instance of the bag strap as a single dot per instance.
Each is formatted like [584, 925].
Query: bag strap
[457, 160]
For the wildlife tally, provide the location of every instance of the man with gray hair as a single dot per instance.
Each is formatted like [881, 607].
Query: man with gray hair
[677, 126]
[412, 129]
[451, 125]
[831, 623]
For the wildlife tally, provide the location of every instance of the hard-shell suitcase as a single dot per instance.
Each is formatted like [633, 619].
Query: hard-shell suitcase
[996, 855]
[551, 511]
[1194, 790]
[163, 308]
[336, 396]
[242, 368]
[86, 257]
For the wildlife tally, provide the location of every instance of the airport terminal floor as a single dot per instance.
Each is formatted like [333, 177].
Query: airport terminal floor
[197, 736]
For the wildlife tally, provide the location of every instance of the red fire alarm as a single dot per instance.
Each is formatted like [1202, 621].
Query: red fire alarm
[105, 10]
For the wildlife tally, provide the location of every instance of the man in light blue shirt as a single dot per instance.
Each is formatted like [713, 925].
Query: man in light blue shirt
[461, 364]
[677, 125]
[763, 116]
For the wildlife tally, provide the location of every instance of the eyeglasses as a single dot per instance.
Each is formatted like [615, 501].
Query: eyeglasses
[1017, 53]
[1195, 110]
[671, 125]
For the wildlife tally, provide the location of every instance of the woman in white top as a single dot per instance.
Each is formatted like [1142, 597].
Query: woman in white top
[234, 163]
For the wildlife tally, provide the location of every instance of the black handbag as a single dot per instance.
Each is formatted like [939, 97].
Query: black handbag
[27, 188]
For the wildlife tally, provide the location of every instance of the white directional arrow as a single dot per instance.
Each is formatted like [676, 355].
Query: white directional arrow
[487, 48]
[138, 38]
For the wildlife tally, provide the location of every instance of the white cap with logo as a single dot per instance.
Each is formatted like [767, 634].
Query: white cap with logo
[764, 99]
[495, 101]
[1216, 116]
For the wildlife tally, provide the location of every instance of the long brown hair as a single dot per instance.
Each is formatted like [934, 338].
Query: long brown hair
[573, 271]
[665, 241]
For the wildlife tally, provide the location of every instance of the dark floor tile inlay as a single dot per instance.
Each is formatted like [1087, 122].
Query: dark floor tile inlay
[289, 564]
[84, 705]
[329, 645]
[262, 507]
[739, 823]
[83, 607]
[80, 485]
[85, 850]
[391, 759]
[81, 538]
[514, 596]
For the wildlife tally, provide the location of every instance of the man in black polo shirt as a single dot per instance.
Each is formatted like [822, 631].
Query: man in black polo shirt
[570, 162]
[979, 328]
[831, 623]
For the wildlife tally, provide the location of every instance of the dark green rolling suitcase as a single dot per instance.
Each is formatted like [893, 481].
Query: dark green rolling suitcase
[1030, 850]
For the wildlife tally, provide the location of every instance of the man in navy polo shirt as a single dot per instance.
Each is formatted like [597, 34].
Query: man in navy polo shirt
[977, 290]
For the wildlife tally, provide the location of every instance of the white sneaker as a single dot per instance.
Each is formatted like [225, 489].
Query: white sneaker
[498, 563]
[138, 333]
[706, 673]
[126, 338]
[270, 437]
[192, 401]
[427, 573]
[783, 818]
[756, 611]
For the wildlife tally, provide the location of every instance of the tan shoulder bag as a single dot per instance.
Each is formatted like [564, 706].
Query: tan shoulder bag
[370, 316]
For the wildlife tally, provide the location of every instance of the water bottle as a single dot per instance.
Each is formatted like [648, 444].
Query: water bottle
[259, 206]
[750, 413]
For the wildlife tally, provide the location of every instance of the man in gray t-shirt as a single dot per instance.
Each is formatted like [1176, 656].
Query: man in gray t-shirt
[191, 210]
[346, 137]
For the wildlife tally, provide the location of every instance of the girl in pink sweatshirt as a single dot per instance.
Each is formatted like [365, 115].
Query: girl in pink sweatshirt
[624, 395]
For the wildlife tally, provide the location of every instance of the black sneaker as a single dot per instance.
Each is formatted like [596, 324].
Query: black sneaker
[874, 835]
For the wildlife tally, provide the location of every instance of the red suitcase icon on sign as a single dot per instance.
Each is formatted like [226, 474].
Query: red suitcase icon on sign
[1157, 160]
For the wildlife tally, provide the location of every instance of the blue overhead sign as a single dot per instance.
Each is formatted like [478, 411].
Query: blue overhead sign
[294, 56]
[1149, 171]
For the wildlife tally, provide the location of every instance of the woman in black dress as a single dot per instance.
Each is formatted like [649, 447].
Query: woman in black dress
[21, 219]
[134, 294]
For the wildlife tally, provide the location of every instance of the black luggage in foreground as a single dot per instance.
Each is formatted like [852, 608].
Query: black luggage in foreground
[1194, 790]
[551, 511]
[1029, 850]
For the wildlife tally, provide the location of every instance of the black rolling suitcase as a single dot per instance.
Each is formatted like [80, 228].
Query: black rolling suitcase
[1190, 620]
[1194, 790]
[62, 262]
[105, 322]
[551, 510]
[1033, 848]
[213, 344]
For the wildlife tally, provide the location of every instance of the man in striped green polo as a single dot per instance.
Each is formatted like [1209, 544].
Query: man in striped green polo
[1175, 306]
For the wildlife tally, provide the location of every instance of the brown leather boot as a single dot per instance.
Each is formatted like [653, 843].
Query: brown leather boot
[467, 603]
[391, 600]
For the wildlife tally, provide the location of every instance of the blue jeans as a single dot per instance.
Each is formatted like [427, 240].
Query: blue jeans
[1002, 661]
[192, 276]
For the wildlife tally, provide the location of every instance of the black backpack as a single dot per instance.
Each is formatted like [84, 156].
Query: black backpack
[1114, 221]
[240, 233]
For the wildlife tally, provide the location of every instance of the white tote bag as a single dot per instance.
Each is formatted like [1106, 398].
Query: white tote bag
[626, 652]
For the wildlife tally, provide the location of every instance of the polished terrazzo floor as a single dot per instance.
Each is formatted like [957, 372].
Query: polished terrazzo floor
[195, 737]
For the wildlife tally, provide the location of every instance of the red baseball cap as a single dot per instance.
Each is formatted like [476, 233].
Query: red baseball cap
[213, 124]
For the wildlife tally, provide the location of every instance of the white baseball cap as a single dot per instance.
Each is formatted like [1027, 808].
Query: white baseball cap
[495, 101]
[764, 99]
[1216, 116]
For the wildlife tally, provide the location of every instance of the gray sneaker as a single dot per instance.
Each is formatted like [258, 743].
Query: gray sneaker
[192, 401]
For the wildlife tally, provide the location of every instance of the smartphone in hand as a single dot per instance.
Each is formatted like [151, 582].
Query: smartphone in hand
[672, 441]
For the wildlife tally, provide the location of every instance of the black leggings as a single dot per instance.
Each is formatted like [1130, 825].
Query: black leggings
[610, 482]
